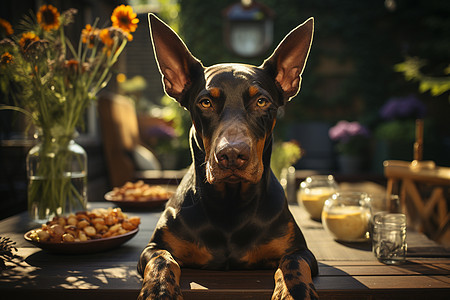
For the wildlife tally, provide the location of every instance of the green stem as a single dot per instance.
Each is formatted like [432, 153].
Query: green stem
[51, 188]
[109, 65]
[18, 109]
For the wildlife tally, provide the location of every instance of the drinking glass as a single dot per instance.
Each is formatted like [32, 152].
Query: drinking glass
[346, 216]
[389, 237]
[314, 191]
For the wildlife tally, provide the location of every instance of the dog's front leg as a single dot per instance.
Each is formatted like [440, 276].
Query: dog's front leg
[293, 279]
[161, 278]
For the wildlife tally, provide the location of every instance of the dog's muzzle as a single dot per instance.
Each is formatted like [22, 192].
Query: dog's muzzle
[232, 155]
[233, 158]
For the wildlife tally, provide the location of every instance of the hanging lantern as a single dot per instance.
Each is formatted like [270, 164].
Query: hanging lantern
[248, 28]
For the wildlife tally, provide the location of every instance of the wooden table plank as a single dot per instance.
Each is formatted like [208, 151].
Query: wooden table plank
[125, 277]
[346, 271]
[410, 268]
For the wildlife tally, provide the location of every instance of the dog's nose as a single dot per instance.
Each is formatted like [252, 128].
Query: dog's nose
[233, 155]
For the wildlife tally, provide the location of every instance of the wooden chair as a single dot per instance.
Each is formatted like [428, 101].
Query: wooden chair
[121, 142]
[424, 195]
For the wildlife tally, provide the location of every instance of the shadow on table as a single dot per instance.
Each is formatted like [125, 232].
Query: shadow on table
[77, 272]
[86, 276]
[430, 268]
[365, 246]
[335, 283]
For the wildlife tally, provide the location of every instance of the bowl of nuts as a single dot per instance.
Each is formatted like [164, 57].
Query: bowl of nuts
[139, 195]
[85, 232]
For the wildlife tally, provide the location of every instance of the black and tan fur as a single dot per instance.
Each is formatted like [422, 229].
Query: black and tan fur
[229, 211]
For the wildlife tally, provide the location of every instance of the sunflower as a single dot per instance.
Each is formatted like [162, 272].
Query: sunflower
[6, 58]
[27, 38]
[48, 17]
[5, 27]
[124, 18]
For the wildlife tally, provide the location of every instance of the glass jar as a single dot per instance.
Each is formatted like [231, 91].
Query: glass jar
[346, 216]
[313, 193]
[382, 203]
[287, 181]
[389, 237]
[57, 177]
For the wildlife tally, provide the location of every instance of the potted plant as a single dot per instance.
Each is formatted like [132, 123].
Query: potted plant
[396, 133]
[351, 143]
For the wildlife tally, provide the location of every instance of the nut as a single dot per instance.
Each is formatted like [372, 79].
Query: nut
[84, 226]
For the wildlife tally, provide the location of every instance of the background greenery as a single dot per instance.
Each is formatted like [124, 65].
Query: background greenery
[350, 72]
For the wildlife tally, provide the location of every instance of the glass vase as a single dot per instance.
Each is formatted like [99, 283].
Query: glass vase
[57, 176]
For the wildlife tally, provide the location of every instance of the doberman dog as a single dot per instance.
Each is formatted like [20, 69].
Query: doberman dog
[229, 211]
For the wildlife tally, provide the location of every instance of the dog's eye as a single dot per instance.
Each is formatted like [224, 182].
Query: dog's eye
[206, 103]
[261, 102]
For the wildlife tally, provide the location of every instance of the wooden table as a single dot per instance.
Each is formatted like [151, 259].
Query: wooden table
[347, 271]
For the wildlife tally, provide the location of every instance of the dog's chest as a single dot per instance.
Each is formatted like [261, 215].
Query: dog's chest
[231, 240]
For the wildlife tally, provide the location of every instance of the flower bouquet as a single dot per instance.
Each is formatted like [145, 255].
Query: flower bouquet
[53, 82]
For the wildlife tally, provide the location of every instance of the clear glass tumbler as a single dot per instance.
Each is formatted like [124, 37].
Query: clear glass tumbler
[389, 238]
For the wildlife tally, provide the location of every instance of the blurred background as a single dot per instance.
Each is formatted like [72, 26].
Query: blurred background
[379, 65]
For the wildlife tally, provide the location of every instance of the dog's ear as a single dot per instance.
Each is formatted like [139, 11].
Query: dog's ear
[176, 64]
[287, 62]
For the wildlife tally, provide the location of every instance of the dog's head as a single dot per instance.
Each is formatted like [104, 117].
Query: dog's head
[233, 106]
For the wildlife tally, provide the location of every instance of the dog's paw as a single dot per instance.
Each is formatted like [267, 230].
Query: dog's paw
[293, 280]
[160, 290]
[161, 278]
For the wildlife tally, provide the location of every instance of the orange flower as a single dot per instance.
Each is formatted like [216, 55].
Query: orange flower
[27, 38]
[48, 17]
[88, 35]
[124, 18]
[6, 58]
[105, 36]
[5, 27]
[71, 64]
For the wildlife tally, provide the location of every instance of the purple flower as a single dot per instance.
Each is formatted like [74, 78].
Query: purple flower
[401, 108]
[344, 131]
[161, 131]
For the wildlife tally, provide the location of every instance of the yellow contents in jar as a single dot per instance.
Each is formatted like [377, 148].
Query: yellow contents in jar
[347, 223]
[313, 200]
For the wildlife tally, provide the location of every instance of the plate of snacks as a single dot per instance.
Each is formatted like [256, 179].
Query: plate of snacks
[139, 195]
[85, 231]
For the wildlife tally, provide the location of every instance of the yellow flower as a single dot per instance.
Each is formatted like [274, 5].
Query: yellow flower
[88, 35]
[5, 27]
[27, 38]
[105, 36]
[124, 18]
[48, 17]
[6, 58]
